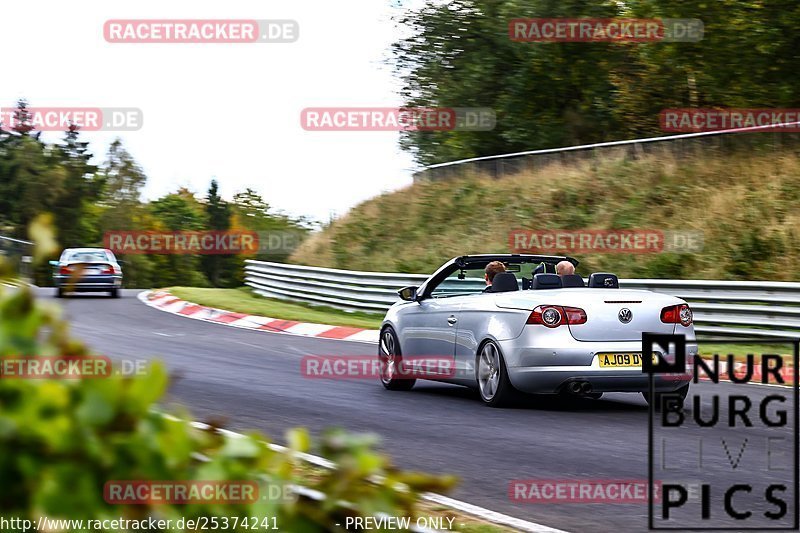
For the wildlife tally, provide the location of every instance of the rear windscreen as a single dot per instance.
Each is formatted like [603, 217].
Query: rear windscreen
[87, 256]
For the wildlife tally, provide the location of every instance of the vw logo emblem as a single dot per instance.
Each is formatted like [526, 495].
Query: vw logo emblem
[625, 315]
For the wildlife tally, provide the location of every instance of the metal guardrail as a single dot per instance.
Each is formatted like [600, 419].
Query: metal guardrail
[18, 252]
[511, 163]
[721, 308]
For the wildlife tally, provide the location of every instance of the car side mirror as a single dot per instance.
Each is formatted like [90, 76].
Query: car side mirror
[53, 263]
[408, 294]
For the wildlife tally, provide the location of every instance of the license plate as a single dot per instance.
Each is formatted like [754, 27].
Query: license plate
[91, 271]
[619, 360]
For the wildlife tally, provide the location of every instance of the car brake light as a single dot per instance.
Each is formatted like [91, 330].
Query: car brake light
[677, 314]
[65, 270]
[107, 269]
[553, 316]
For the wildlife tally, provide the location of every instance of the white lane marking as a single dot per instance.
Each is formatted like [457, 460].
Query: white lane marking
[248, 344]
[261, 320]
[368, 335]
[306, 328]
[252, 321]
[474, 510]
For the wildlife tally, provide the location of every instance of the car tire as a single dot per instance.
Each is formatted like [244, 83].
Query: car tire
[59, 292]
[679, 394]
[494, 386]
[391, 359]
[114, 293]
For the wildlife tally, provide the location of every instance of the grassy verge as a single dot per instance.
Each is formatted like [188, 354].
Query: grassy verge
[242, 300]
[743, 204]
[740, 351]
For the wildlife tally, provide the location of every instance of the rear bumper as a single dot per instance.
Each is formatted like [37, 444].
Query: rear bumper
[555, 379]
[548, 363]
[88, 283]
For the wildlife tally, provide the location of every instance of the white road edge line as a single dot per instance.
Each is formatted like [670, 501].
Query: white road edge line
[474, 510]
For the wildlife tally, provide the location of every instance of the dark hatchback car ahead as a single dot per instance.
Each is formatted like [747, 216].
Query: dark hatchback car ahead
[87, 270]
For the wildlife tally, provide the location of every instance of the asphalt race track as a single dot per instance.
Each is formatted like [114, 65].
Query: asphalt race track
[252, 380]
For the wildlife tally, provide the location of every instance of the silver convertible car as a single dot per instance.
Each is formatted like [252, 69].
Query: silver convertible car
[533, 331]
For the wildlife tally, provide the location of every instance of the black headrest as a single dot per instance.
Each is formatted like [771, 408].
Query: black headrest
[547, 281]
[526, 283]
[504, 282]
[572, 280]
[603, 280]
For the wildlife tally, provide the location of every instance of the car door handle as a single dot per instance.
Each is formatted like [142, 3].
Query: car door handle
[452, 320]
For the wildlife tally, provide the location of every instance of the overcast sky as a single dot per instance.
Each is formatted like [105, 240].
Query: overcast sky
[230, 111]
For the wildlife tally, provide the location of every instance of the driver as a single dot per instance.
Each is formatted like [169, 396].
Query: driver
[492, 269]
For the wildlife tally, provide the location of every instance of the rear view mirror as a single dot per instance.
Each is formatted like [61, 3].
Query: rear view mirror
[408, 294]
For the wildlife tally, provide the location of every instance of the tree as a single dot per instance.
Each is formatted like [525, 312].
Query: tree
[178, 211]
[459, 54]
[219, 219]
[30, 177]
[278, 233]
[122, 181]
[123, 177]
[82, 187]
[545, 95]
[23, 119]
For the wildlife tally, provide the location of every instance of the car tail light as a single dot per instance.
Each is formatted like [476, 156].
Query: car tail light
[677, 314]
[106, 269]
[65, 270]
[553, 316]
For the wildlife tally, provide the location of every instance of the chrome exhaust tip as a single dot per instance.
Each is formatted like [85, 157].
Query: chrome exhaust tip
[574, 387]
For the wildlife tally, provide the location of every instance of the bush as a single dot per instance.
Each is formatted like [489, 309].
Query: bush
[62, 440]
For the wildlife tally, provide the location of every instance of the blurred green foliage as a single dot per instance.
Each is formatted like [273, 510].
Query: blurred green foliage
[62, 440]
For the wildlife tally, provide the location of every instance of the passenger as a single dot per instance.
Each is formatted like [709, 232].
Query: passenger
[565, 268]
[491, 269]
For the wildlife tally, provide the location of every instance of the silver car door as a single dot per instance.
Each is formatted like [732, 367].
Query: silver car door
[472, 317]
[429, 328]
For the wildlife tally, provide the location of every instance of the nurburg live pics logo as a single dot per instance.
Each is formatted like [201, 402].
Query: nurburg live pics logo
[726, 460]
